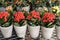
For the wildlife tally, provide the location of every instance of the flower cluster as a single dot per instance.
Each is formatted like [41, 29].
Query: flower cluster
[9, 8]
[18, 16]
[56, 11]
[33, 14]
[4, 15]
[33, 18]
[48, 17]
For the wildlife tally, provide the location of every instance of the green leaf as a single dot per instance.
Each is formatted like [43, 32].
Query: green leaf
[1, 21]
[21, 23]
[31, 23]
[50, 24]
[16, 24]
[6, 24]
[25, 13]
[33, 19]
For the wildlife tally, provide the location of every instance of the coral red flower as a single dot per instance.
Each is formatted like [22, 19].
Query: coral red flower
[29, 17]
[33, 14]
[48, 17]
[18, 16]
[4, 15]
[1, 14]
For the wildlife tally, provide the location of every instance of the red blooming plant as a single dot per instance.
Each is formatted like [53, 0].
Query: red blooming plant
[48, 19]
[5, 19]
[33, 18]
[19, 19]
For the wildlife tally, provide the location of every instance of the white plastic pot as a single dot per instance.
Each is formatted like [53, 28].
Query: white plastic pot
[34, 31]
[27, 8]
[21, 31]
[39, 9]
[0, 27]
[47, 32]
[58, 31]
[2, 9]
[6, 31]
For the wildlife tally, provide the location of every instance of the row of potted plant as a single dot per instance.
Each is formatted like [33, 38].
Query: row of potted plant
[15, 5]
[34, 20]
[18, 5]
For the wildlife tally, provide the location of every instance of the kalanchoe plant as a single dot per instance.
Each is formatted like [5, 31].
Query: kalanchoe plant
[9, 9]
[5, 19]
[19, 19]
[33, 18]
[54, 2]
[2, 3]
[20, 3]
[5, 3]
[56, 11]
[9, 6]
[48, 20]
[37, 3]
[58, 20]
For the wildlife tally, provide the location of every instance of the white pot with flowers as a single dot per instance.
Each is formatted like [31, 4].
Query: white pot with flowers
[47, 23]
[58, 31]
[6, 24]
[56, 11]
[20, 24]
[33, 23]
[58, 26]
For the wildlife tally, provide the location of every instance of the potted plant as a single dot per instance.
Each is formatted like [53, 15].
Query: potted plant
[6, 24]
[20, 24]
[37, 4]
[56, 11]
[47, 23]
[33, 19]
[6, 5]
[58, 26]
[21, 5]
[2, 5]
